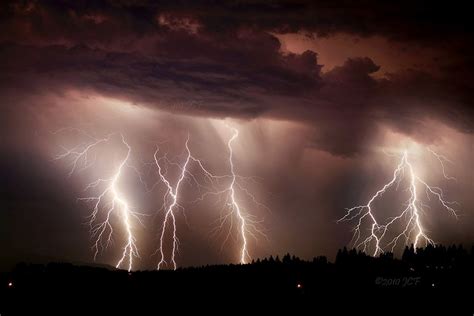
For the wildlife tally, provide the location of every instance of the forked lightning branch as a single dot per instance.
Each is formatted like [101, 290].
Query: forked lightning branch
[110, 202]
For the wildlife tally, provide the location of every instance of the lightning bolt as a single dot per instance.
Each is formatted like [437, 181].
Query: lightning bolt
[111, 201]
[169, 213]
[410, 217]
[247, 223]
[235, 206]
[110, 198]
[172, 196]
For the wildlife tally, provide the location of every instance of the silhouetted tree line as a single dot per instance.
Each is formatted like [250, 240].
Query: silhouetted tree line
[432, 256]
[288, 259]
[434, 271]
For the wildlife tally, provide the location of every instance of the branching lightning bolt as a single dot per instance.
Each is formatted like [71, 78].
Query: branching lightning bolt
[247, 225]
[110, 198]
[169, 212]
[171, 198]
[235, 206]
[412, 228]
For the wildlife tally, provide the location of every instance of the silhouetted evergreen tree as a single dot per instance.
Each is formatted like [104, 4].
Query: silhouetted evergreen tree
[322, 260]
[408, 254]
[271, 260]
[341, 256]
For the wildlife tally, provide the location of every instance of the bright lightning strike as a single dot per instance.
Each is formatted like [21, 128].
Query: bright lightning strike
[247, 225]
[171, 201]
[172, 196]
[235, 206]
[410, 217]
[110, 198]
[111, 201]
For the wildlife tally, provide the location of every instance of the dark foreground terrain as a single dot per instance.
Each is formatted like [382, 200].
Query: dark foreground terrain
[435, 280]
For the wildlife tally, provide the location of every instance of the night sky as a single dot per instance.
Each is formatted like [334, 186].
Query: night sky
[324, 94]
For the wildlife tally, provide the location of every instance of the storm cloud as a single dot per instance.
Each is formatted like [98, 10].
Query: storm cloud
[240, 60]
[226, 62]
